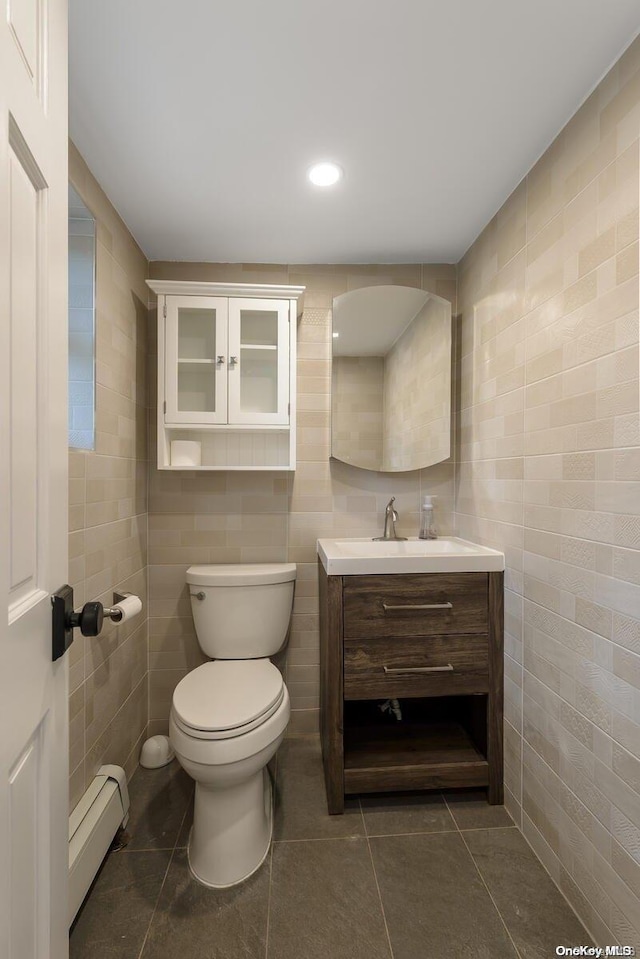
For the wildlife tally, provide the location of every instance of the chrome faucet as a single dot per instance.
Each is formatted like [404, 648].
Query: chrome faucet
[390, 519]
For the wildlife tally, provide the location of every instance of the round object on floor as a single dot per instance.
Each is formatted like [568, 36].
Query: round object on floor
[156, 751]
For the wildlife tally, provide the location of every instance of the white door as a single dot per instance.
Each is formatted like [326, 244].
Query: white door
[196, 358]
[33, 477]
[258, 361]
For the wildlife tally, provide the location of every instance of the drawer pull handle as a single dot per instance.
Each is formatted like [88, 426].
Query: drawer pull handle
[388, 609]
[390, 670]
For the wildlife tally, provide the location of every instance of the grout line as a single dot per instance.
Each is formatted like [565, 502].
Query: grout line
[155, 907]
[482, 880]
[274, 797]
[132, 852]
[437, 832]
[280, 842]
[266, 943]
[557, 886]
[487, 828]
[164, 879]
[375, 877]
[363, 817]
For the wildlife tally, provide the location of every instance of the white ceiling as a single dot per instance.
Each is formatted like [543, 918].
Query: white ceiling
[200, 118]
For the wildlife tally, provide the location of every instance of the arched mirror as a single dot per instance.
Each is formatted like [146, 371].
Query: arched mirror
[391, 378]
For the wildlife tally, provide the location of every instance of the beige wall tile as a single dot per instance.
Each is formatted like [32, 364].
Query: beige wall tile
[579, 726]
[107, 517]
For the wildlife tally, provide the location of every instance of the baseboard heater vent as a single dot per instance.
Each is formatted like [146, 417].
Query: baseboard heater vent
[92, 826]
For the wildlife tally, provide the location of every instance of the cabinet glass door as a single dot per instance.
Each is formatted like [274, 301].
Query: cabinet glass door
[258, 361]
[196, 359]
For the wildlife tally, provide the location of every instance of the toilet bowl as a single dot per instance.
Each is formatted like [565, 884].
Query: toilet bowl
[229, 716]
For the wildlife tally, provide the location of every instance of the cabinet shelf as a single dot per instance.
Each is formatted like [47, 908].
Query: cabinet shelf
[226, 428]
[431, 748]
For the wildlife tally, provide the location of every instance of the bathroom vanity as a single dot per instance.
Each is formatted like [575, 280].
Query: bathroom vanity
[420, 622]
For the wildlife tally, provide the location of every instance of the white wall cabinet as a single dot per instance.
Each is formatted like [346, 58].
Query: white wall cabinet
[226, 373]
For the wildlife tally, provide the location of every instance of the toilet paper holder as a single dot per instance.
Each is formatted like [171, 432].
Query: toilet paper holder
[89, 619]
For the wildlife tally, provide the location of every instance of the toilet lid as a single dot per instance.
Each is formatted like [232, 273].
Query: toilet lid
[241, 574]
[228, 694]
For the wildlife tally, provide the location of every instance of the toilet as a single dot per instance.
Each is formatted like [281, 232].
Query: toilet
[229, 716]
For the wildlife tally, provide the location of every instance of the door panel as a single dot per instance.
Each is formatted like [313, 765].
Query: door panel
[23, 454]
[33, 477]
[26, 19]
[28, 805]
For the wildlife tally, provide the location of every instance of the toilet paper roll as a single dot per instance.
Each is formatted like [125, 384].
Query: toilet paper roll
[130, 606]
[186, 453]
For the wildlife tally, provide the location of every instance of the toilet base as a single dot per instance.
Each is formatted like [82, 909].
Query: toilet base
[231, 833]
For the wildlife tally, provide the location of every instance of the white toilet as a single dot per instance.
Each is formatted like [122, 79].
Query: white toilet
[229, 716]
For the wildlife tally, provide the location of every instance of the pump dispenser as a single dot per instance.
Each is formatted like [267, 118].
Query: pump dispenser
[427, 524]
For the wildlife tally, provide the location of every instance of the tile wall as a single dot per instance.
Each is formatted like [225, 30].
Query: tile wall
[549, 471]
[108, 506]
[228, 517]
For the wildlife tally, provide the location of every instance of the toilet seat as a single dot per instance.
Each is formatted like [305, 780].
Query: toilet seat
[227, 698]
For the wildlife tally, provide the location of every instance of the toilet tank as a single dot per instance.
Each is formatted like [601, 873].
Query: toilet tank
[241, 611]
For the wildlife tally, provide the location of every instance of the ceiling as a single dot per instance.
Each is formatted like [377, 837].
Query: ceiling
[200, 119]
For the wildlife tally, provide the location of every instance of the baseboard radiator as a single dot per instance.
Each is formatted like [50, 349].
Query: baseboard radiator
[103, 809]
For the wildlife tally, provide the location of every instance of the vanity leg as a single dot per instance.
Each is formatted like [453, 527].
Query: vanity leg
[495, 792]
[335, 799]
[331, 689]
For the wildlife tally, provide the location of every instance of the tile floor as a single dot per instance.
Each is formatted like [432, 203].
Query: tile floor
[396, 877]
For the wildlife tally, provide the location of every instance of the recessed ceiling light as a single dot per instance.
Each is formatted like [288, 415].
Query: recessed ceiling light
[324, 174]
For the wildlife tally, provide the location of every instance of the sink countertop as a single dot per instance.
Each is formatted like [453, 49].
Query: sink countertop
[447, 554]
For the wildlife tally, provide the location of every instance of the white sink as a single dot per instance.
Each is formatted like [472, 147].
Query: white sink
[351, 557]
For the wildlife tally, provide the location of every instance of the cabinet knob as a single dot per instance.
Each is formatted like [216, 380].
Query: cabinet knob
[233, 360]
[221, 359]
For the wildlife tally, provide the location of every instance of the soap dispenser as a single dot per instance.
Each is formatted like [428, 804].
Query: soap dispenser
[427, 524]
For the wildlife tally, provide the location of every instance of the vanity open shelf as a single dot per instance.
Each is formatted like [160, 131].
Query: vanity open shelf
[432, 640]
[440, 743]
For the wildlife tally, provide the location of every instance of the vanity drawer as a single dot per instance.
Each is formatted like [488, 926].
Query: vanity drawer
[415, 605]
[436, 666]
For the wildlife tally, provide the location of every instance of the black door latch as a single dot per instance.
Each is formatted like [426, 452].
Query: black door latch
[64, 620]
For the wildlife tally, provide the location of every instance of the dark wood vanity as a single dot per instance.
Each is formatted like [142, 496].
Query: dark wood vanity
[435, 642]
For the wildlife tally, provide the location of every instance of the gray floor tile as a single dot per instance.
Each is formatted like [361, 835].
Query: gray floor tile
[193, 922]
[115, 917]
[324, 902]
[399, 813]
[183, 836]
[434, 900]
[535, 913]
[159, 798]
[470, 809]
[301, 806]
